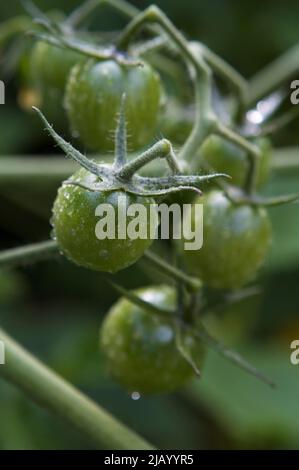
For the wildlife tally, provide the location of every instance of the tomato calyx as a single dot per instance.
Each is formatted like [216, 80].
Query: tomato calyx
[63, 35]
[240, 197]
[121, 175]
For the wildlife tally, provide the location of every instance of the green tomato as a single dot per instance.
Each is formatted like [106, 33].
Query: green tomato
[225, 157]
[92, 101]
[49, 70]
[74, 221]
[236, 239]
[140, 347]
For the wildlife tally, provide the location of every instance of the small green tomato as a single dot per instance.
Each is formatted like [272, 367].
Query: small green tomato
[140, 347]
[225, 157]
[74, 221]
[49, 70]
[236, 239]
[93, 97]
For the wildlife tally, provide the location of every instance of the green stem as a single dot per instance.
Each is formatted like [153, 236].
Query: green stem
[191, 283]
[58, 396]
[273, 75]
[279, 122]
[237, 196]
[120, 153]
[204, 113]
[231, 355]
[81, 13]
[13, 26]
[274, 201]
[68, 149]
[228, 299]
[28, 254]
[136, 300]
[223, 69]
[251, 150]
[33, 169]
[160, 150]
[286, 159]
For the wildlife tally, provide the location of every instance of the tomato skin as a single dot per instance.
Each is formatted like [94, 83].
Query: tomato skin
[49, 70]
[235, 242]
[74, 222]
[140, 348]
[225, 157]
[93, 97]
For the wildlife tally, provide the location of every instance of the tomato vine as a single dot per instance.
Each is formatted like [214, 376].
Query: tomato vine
[154, 339]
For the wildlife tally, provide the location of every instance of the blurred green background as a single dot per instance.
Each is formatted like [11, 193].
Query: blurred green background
[55, 309]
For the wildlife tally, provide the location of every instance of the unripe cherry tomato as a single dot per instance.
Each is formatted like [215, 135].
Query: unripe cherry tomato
[74, 221]
[236, 239]
[93, 97]
[49, 70]
[140, 347]
[225, 157]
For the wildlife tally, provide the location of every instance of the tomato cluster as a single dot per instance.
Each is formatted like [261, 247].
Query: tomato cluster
[147, 352]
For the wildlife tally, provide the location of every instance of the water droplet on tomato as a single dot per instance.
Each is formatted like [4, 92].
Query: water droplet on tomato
[135, 396]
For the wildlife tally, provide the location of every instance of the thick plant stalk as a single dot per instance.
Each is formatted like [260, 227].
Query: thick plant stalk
[55, 394]
[280, 71]
[32, 169]
[28, 254]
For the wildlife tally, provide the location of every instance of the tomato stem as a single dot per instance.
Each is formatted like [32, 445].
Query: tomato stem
[273, 75]
[192, 283]
[28, 254]
[71, 151]
[252, 151]
[58, 396]
[202, 79]
[161, 149]
[136, 300]
[80, 14]
[231, 355]
[238, 83]
[121, 137]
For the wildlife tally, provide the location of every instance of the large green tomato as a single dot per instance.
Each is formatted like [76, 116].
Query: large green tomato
[236, 239]
[93, 97]
[140, 347]
[225, 157]
[74, 221]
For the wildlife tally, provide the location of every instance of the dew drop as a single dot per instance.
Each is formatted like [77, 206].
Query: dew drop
[53, 235]
[135, 396]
